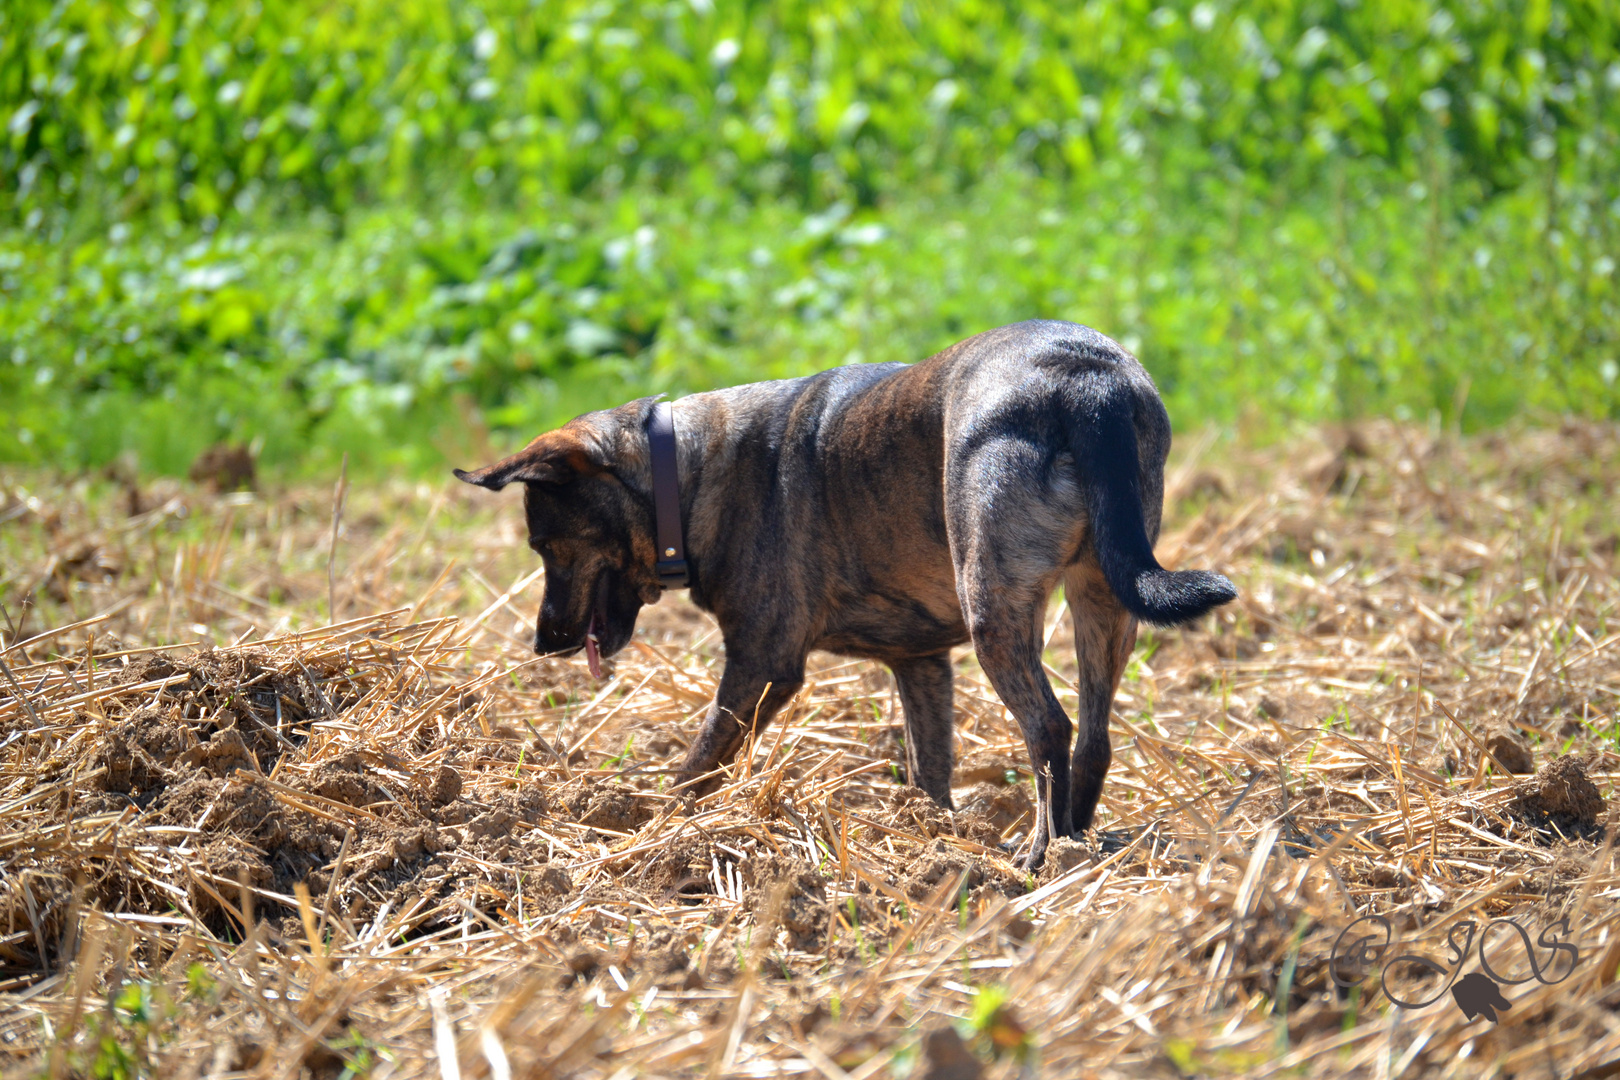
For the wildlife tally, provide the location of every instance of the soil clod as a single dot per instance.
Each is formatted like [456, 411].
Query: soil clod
[946, 1057]
[1508, 747]
[1561, 794]
[443, 785]
[224, 467]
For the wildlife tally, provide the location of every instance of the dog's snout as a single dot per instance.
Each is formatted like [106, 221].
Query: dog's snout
[549, 641]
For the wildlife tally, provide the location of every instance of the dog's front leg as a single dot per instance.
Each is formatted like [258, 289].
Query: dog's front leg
[750, 694]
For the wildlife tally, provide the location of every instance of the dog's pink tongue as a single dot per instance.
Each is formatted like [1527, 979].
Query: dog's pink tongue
[592, 656]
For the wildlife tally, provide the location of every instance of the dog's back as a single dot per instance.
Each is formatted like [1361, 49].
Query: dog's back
[842, 472]
[855, 468]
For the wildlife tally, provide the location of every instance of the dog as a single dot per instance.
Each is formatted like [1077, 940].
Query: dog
[889, 512]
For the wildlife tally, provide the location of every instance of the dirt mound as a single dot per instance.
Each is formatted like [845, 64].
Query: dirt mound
[246, 830]
[139, 755]
[197, 755]
[343, 781]
[610, 807]
[987, 767]
[940, 863]
[441, 785]
[247, 689]
[680, 869]
[223, 867]
[87, 560]
[667, 958]
[945, 1056]
[150, 750]
[1508, 747]
[224, 467]
[911, 810]
[1561, 794]
[797, 889]
[988, 812]
[1062, 855]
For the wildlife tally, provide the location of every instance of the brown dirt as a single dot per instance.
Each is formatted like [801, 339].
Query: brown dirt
[1511, 750]
[1561, 794]
[224, 467]
[940, 864]
[792, 893]
[988, 767]
[342, 781]
[911, 810]
[989, 812]
[945, 1057]
[442, 785]
[203, 774]
[1062, 855]
[679, 869]
[609, 807]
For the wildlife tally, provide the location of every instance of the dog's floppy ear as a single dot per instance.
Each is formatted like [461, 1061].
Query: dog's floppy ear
[558, 457]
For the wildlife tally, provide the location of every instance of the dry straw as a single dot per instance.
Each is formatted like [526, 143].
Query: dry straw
[233, 842]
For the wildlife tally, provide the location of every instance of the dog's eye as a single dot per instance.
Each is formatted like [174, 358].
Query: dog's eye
[537, 546]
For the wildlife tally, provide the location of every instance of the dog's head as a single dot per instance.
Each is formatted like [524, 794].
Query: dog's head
[592, 529]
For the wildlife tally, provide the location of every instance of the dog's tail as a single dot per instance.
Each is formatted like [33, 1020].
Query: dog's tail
[1104, 439]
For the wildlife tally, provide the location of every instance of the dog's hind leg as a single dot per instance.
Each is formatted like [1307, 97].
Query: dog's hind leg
[750, 694]
[1104, 634]
[925, 695]
[1006, 529]
[1008, 643]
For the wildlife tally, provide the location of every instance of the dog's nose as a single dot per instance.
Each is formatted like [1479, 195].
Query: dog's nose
[550, 641]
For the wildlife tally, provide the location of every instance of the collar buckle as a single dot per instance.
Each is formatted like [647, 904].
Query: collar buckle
[673, 574]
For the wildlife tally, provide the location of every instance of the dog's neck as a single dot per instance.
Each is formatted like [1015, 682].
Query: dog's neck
[693, 418]
[671, 564]
[714, 437]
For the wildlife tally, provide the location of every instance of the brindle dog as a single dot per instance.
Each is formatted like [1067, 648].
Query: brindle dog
[887, 511]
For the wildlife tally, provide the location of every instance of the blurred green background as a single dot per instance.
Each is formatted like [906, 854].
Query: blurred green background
[404, 229]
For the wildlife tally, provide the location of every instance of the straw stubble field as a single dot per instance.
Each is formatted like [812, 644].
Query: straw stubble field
[283, 798]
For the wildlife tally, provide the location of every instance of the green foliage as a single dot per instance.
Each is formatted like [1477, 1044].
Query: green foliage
[994, 1028]
[359, 1054]
[200, 985]
[193, 107]
[389, 228]
[134, 1005]
[118, 1043]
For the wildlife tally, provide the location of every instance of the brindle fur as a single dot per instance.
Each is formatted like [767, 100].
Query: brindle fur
[887, 511]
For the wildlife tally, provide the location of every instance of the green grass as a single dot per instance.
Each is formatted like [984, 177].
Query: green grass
[405, 232]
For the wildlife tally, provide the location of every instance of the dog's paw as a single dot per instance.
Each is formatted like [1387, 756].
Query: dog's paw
[1033, 859]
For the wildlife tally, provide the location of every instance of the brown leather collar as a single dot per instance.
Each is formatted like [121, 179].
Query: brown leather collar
[671, 566]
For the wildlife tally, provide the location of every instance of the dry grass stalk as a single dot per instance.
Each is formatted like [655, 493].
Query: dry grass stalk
[399, 844]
